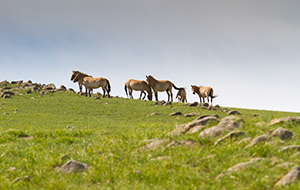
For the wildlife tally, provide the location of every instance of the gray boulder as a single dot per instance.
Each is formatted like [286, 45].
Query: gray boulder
[282, 133]
[227, 124]
[290, 177]
[284, 120]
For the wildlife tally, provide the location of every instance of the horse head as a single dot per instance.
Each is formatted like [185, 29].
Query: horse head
[76, 78]
[194, 88]
[73, 75]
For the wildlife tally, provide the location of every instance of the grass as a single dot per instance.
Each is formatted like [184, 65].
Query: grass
[107, 134]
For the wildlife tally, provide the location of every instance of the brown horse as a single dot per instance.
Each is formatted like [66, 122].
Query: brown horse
[79, 81]
[91, 83]
[160, 86]
[181, 95]
[138, 85]
[204, 92]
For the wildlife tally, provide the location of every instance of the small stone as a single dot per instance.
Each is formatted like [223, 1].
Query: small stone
[193, 104]
[233, 113]
[167, 103]
[155, 143]
[175, 113]
[190, 114]
[73, 166]
[65, 157]
[160, 103]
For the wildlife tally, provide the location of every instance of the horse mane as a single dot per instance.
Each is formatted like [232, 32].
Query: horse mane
[83, 74]
[150, 76]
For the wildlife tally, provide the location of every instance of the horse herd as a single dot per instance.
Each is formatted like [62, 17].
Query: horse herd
[150, 84]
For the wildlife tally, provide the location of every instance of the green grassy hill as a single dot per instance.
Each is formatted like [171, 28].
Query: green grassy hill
[111, 135]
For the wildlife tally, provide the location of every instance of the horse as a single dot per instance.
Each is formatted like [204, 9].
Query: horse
[161, 86]
[204, 92]
[181, 95]
[91, 83]
[79, 81]
[138, 85]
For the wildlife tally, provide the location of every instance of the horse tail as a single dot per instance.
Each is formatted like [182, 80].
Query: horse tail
[125, 87]
[211, 95]
[175, 87]
[108, 87]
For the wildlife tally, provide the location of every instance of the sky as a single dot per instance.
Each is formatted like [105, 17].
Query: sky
[248, 51]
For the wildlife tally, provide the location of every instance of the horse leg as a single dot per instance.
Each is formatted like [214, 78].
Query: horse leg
[91, 90]
[86, 92]
[141, 95]
[156, 96]
[144, 95]
[80, 88]
[103, 92]
[171, 95]
[130, 93]
[168, 94]
[200, 100]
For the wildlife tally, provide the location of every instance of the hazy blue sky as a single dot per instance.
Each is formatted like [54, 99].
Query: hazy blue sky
[248, 51]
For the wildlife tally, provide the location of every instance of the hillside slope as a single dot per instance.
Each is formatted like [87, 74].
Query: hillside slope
[136, 144]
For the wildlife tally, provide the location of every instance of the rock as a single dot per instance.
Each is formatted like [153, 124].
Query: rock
[155, 143]
[65, 157]
[154, 113]
[16, 82]
[227, 124]
[290, 177]
[196, 129]
[97, 97]
[285, 120]
[259, 139]
[49, 87]
[71, 90]
[9, 93]
[290, 147]
[188, 143]
[190, 114]
[233, 134]
[167, 103]
[6, 96]
[233, 113]
[62, 88]
[240, 166]
[203, 116]
[282, 133]
[189, 126]
[244, 141]
[29, 91]
[211, 108]
[175, 113]
[73, 166]
[217, 106]
[160, 103]
[204, 105]
[4, 83]
[193, 104]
